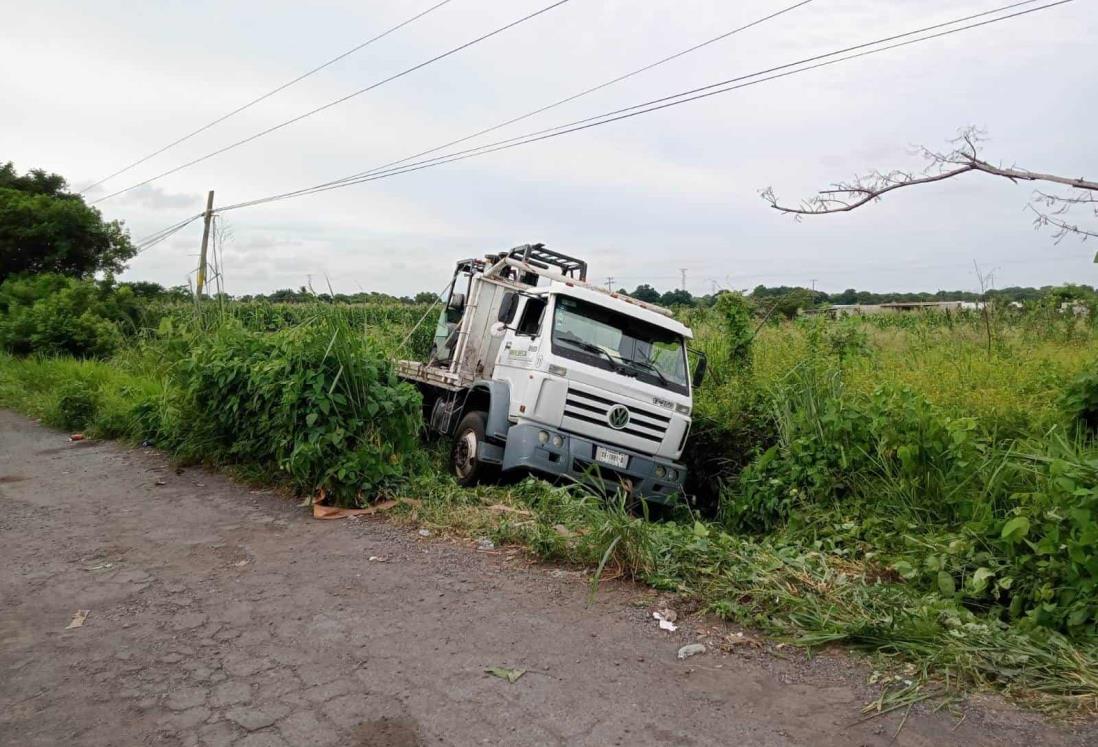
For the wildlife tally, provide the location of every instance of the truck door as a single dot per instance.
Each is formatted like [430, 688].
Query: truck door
[520, 355]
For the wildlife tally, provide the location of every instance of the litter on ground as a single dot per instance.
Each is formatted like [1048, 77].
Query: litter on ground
[511, 675]
[665, 624]
[691, 649]
[331, 512]
[78, 619]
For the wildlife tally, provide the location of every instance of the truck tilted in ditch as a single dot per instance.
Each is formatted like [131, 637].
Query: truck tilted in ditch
[533, 368]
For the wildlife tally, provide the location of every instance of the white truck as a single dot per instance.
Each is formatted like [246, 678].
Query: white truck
[532, 368]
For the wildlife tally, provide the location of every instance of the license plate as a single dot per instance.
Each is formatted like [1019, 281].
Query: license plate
[611, 457]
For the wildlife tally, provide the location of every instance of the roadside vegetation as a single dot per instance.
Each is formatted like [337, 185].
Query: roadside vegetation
[922, 487]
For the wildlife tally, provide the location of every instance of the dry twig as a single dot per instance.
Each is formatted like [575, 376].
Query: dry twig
[1050, 209]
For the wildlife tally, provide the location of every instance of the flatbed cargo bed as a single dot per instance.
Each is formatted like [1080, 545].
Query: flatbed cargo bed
[433, 375]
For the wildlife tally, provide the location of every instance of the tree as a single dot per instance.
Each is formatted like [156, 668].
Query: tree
[45, 229]
[847, 297]
[148, 291]
[677, 297]
[425, 297]
[1051, 209]
[35, 181]
[646, 293]
[788, 300]
[790, 304]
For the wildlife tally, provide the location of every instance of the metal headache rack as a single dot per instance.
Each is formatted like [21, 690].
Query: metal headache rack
[536, 255]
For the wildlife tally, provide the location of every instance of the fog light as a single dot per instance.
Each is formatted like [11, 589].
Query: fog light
[543, 437]
[558, 440]
[672, 474]
[661, 471]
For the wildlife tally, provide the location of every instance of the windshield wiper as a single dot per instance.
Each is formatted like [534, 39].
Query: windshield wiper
[648, 366]
[615, 363]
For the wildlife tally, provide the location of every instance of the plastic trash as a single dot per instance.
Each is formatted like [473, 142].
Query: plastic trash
[691, 649]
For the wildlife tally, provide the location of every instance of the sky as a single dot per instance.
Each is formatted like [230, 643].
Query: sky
[90, 87]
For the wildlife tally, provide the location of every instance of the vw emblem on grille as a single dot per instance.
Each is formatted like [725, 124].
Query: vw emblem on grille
[618, 417]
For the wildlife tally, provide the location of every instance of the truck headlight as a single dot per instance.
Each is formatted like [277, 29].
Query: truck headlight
[543, 437]
[557, 370]
[682, 409]
[558, 440]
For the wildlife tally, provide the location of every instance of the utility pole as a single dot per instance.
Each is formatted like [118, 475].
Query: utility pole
[610, 283]
[682, 270]
[200, 283]
[813, 284]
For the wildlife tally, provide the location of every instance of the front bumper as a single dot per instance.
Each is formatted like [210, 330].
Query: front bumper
[575, 458]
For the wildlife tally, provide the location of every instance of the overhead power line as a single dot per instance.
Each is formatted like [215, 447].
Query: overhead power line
[668, 101]
[336, 102]
[153, 239]
[266, 96]
[593, 89]
[724, 86]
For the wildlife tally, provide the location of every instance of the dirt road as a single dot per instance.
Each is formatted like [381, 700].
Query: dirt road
[222, 616]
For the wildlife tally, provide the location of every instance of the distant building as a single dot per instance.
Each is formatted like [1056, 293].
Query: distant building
[903, 307]
[1074, 307]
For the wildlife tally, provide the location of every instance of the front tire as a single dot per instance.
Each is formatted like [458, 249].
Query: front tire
[466, 467]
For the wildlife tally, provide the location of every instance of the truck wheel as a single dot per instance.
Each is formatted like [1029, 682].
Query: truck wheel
[467, 469]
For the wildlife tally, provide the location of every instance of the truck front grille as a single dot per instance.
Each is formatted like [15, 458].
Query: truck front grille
[594, 409]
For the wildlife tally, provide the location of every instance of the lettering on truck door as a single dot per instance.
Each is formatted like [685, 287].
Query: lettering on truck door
[520, 353]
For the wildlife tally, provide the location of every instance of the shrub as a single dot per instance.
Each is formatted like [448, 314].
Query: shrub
[737, 324]
[1081, 401]
[1002, 527]
[75, 406]
[55, 315]
[314, 401]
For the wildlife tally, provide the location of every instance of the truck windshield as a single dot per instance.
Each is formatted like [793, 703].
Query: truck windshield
[599, 337]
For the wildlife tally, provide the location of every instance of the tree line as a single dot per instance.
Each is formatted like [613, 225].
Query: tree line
[45, 228]
[789, 300]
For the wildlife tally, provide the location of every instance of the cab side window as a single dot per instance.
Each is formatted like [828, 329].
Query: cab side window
[530, 322]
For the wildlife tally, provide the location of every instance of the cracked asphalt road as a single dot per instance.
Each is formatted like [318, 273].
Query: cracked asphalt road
[223, 616]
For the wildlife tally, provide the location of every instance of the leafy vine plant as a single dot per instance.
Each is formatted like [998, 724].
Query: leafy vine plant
[1057, 210]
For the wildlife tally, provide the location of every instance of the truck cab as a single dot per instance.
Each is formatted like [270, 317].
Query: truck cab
[532, 368]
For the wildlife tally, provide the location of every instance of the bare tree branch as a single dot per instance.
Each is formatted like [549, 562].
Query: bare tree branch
[963, 158]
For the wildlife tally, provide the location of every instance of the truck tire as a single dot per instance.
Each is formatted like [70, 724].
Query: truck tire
[467, 469]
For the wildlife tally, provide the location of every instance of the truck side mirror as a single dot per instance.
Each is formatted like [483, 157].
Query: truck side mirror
[699, 370]
[508, 307]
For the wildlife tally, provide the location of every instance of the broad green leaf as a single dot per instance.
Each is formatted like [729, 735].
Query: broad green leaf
[905, 569]
[1015, 529]
[946, 584]
[980, 579]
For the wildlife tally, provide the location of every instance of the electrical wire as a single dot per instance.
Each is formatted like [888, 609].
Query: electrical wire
[354, 178]
[724, 86]
[143, 245]
[598, 87]
[661, 103]
[335, 102]
[265, 96]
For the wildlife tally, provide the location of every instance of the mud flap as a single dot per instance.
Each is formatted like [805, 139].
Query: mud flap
[489, 453]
